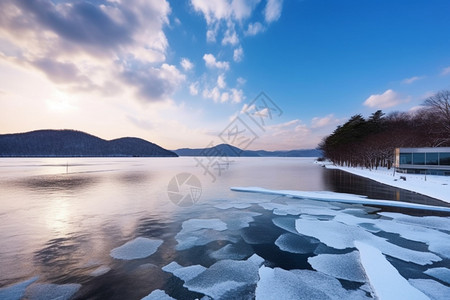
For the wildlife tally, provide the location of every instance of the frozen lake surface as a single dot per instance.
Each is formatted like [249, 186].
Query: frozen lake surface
[107, 228]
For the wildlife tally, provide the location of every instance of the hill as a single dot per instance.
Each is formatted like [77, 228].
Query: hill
[229, 150]
[57, 143]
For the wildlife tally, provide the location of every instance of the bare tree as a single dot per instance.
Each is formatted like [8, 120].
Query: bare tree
[439, 106]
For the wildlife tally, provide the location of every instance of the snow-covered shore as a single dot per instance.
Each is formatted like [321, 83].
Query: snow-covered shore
[430, 185]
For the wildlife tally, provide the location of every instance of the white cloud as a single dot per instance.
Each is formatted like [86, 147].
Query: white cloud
[319, 122]
[238, 54]
[193, 88]
[388, 99]
[411, 79]
[225, 96]
[254, 29]
[445, 71]
[230, 36]
[221, 84]
[241, 81]
[186, 64]
[211, 62]
[273, 10]
[212, 94]
[237, 95]
[91, 46]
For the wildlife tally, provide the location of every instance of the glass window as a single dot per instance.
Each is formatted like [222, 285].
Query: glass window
[405, 158]
[418, 158]
[444, 159]
[431, 159]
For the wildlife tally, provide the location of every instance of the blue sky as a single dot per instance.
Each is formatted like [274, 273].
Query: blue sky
[178, 72]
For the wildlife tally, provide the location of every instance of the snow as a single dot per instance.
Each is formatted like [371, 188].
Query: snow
[158, 295]
[385, 280]
[225, 277]
[17, 290]
[431, 288]
[295, 243]
[100, 271]
[342, 266]
[341, 236]
[430, 185]
[184, 273]
[439, 273]
[45, 291]
[339, 197]
[138, 248]
[301, 284]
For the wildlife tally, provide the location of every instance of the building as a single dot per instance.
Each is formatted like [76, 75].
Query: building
[433, 161]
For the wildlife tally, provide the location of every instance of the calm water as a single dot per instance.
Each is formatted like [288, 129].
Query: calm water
[61, 217]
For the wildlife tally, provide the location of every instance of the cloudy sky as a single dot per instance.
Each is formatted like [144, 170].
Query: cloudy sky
[178, 73]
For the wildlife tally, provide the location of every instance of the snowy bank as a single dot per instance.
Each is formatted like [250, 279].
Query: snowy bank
[429, 185]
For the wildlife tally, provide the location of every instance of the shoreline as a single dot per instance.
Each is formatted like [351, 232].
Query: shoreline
[434, 186]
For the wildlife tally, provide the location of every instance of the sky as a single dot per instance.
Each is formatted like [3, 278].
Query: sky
[258, 74]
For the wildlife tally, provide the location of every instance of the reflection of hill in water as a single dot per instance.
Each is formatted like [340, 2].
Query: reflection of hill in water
[58, 182]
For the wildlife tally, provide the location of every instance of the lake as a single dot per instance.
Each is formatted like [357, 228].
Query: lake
[124, 228]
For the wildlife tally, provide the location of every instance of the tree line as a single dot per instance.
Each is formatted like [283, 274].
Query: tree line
[371, 142]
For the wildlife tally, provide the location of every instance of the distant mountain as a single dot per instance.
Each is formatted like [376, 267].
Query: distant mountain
[228, 150]
[74, 143]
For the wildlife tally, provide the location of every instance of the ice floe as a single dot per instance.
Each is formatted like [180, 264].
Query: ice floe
[431, 288]
[138, 248]
[232, 251]
[16, 291]
[184, 273]
[199, 232]
[100, 271]
[441, 223]
[45, 291]
[158, 295]
[385, 280]
[236, 220]
[295, 243]
[341, 236]
[236, 205]
[342, 266]
[301, 284]
[339, 197]
[436, 240]
[439, 273]
[226, 277]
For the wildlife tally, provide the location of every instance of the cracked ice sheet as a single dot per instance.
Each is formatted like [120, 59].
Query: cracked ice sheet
[342, 266]
[339, 197]
[431, 288]
[16, 291]
[44, 291]
[226, 277]
[158, 295]
[301, 284]
[385, 280]
[440, 223]
[341, 236]
[184, 273]
[439, 273]
[138, 248]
